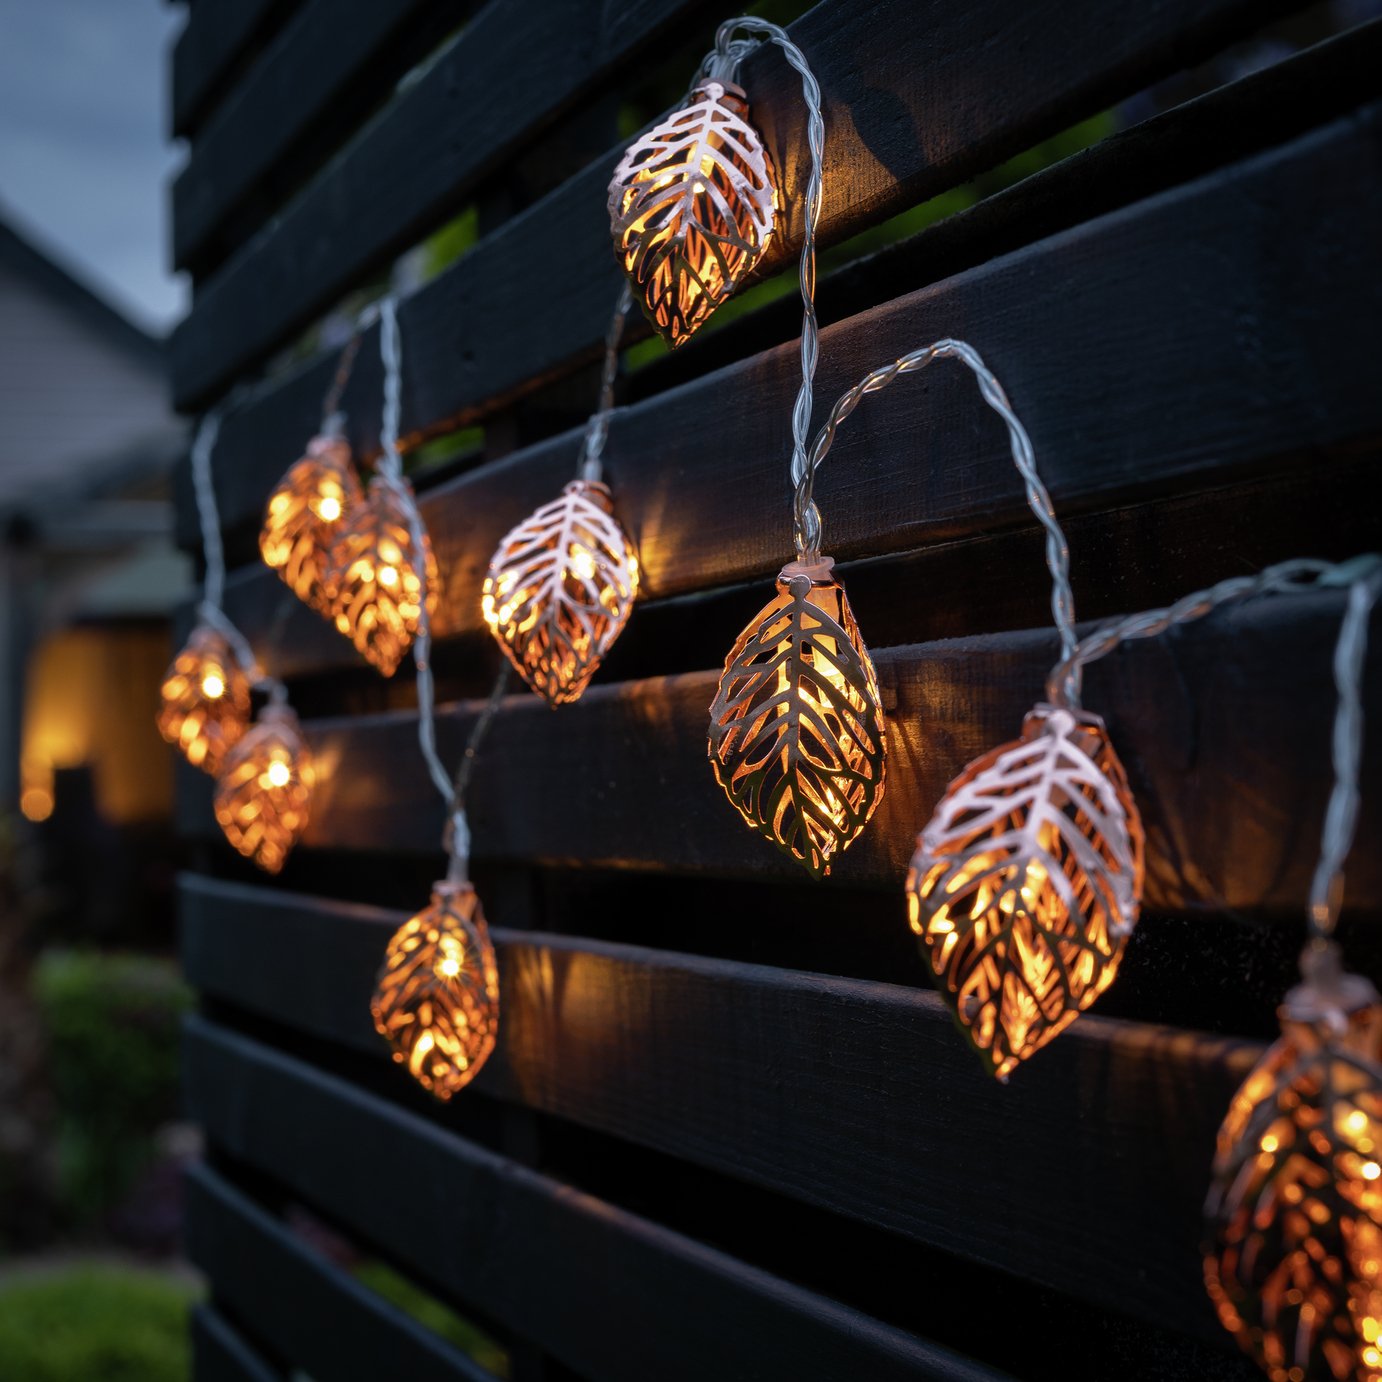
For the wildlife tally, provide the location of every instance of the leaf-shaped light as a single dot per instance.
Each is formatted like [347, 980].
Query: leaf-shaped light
[436, 1001]
[796, 728]
[264, 791]
[1293, 1252]
[560, 589]
[1026, 884]
[378, 579]
[691, 208]
[204, 700]
[312, 504]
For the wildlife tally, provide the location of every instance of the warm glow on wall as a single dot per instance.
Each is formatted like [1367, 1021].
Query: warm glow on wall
[305, 514]
[1293, 1258]
[436, 1001]
[264, 791]
[692, 206]
[378, 578]
[560, 589]
[796, 728]
[1026, 884]
[205, 700]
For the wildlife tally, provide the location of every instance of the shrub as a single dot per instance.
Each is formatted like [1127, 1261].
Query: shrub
[95, 1324]
[111, 1023]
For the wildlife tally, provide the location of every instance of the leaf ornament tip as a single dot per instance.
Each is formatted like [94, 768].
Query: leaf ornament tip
[692, 206]
[1293, 1220]
[559, 590]
[1026, 884]
[796, 726]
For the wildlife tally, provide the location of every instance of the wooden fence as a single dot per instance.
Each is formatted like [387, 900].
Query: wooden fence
[729, 1131]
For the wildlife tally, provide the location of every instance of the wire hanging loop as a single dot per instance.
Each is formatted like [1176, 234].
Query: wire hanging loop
[806, 518]
[588, 465]
[723, 63]
[333, 419]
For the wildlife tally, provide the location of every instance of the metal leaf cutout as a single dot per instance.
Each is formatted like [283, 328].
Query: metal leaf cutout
[377, 579]
[691, 208]
[1026, 884]
[560, 589]
[264, 791]
[436, 1001]
[204, 700]
[1293, 1254]
[312, 504]
[796, 728]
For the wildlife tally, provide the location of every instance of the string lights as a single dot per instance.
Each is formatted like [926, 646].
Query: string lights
[1293, 1254]
[383, 575]
[264, 772]
[436, 998]
[693, 203]
[313, 503]
[561, 585]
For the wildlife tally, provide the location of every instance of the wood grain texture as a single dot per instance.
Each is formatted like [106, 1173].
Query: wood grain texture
[329, 62]
[910, 100]
[1249, 115]
[699, 474]
[219, 1354]
[211, 47]
[309, 1311]
[601, 1289]
[855, 1096]
[1223, 727]
[510, 72]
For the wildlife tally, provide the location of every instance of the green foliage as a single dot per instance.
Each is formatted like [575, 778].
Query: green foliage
[95, 1324]
[111, 1024]
[444, 247]
[429, 1312]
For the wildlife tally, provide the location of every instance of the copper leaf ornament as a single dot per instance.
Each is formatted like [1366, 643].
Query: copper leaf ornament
[796, 729]
[379, 579]
[436, 1001]
[311, 506]
[1026, 884]
[264, 791]
[205, 700]
[560, 589]
[1293, 1253]
[691, 209]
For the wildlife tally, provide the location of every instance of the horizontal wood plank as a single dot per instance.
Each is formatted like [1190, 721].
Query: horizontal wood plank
[212, 44]
[329, 60]
[599, 1288]
[700, 473]
[1223, 727]
[467, 113]
[856, 1096]
[928, 117]
[219, 1354]
[307, 1309]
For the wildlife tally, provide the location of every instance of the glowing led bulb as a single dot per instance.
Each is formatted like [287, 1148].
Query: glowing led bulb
[692, 207]
[796, 726]
[436, 1001]
[559, 590]
[378, 578]
[205, 700]
[264, 791]
[302, 518]
[1024, 912]
[1293, 1242]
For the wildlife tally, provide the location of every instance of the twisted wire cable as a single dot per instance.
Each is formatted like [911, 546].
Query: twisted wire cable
[729, 52]
[808, 520]
[1341, 816]
[457, 834]
[597, 428]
